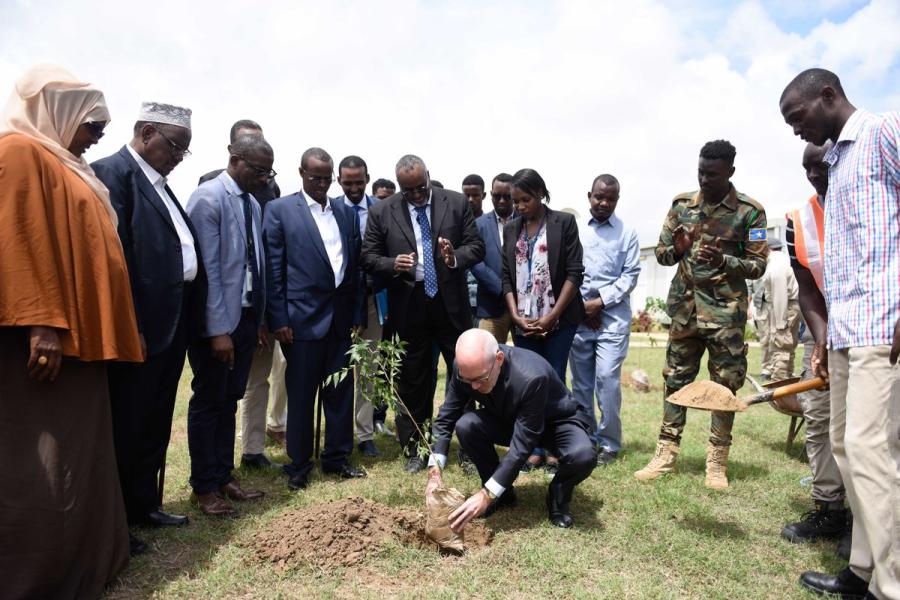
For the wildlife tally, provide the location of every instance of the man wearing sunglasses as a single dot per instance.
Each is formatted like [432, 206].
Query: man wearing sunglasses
[168, 285]
[422, 241]
[491, 307]
[523, 404]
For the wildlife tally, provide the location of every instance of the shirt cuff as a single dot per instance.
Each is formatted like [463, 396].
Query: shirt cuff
[453, 266]
[494, 487]
[437, 460]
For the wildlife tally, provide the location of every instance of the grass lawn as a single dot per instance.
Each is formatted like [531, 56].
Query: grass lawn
[672, 538]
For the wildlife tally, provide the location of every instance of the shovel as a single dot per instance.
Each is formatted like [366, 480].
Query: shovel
[708, 395]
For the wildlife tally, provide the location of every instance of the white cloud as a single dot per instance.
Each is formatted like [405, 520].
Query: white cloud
[572, 89]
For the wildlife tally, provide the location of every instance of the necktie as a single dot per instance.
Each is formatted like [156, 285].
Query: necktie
[431, 285]
[256, 297]
[358, 209]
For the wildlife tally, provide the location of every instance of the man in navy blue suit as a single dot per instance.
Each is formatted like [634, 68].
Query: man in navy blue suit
[312, 246]
[169, 289]
[227, 219]
[491, 310]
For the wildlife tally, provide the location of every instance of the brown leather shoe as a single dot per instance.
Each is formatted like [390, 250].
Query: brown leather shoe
[278, 437]
[233, 490]
[213, 504]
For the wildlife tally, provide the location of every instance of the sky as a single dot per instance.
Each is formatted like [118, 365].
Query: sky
[572, 89]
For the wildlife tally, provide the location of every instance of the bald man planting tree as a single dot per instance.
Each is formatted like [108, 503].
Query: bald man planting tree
[523, 404]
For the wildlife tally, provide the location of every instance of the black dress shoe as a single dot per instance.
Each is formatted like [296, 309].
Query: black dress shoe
[506, 500]
[255, 461]
[414, 464]
[559, 513]
[159, 518]
[843, 585]
[605, 457]
[298, 482]
[347, 471]
[136, 546]
[368, 448]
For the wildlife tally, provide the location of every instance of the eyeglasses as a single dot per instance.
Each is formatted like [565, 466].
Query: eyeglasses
[174, 148]
[260, 172]
[319, 179]
[407, 193]
[480, 380]
[95, 128]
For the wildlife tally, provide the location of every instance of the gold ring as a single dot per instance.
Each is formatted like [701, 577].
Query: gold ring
[43, 360]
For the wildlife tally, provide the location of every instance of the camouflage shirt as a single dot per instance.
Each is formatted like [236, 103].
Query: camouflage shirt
[717, 295]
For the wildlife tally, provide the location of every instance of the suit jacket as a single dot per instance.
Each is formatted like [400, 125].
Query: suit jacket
[153, 252]
[389, 232]
[529, 396]
[301, 290]
[375, 283]
[489, 272]
[564, 257]
[218, 214]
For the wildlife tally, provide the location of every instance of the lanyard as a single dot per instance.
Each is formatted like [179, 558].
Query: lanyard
[530, 244]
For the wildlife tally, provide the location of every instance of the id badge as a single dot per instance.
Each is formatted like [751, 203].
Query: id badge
[530, 305]
[249, 280]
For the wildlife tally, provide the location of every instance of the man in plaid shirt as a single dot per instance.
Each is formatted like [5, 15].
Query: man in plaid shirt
[862, 292]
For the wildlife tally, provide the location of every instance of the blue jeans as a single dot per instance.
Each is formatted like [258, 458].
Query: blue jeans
[596, 361]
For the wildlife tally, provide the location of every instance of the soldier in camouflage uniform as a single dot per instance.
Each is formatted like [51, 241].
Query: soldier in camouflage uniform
[717, 237]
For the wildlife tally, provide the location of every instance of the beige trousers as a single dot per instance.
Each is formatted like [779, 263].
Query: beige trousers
[501, 327]
[782, 343]
[256, 399]
[827, 485]
[865, 438]
[365, 427]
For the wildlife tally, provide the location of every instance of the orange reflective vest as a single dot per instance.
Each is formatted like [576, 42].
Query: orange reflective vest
[809, 238]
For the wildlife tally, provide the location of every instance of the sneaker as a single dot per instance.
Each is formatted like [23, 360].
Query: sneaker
[821, 523]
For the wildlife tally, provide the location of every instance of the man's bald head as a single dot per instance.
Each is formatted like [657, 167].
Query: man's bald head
[478, 359]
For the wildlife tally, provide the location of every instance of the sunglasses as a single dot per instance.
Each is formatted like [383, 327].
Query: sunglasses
[95, 128]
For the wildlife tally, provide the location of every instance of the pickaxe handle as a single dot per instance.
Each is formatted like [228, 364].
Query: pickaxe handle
[785, 390]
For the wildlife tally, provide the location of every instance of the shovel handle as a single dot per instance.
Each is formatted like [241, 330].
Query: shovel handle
[786, 390]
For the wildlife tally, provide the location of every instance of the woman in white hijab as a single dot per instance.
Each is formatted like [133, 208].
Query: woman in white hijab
[65, 310]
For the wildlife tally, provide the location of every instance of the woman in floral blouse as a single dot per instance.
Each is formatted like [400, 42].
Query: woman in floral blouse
[542, 274]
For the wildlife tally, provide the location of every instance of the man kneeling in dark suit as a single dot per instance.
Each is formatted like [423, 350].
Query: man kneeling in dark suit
[522, 404]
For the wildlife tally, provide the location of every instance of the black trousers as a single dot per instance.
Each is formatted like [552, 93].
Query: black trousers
[309, 362]
[211, 412]
[478, 431]
[143, 400]
[427, 323]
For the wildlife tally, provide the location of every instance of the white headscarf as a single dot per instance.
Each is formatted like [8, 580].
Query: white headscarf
[48, 105]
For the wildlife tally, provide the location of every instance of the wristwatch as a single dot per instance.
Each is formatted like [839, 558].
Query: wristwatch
[489, 493]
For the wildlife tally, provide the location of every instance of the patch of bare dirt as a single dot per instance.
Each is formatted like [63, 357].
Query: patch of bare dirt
[344, 532]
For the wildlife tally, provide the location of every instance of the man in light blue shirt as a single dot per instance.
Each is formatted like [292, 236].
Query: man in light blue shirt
[611, 269]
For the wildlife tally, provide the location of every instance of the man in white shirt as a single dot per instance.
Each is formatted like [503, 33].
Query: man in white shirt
[782, 308]
[168, 285]
[314, 301]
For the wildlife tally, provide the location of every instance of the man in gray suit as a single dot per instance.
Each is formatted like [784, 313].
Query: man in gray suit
[227, 219]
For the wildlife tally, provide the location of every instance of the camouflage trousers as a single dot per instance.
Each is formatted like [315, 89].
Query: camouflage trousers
[727, 366]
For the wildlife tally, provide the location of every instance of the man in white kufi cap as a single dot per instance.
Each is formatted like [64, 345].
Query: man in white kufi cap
[169, 288]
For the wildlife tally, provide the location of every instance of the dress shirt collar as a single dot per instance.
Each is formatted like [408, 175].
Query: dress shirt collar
[151, 173]
[412, 207]
[230, 183]
[363, 204]
[313, 204]
[849, 133]
[611, 221]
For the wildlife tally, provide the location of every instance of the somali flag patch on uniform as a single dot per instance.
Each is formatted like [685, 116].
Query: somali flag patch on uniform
[757, 235]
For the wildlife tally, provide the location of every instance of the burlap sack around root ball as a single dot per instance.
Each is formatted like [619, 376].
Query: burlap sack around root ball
[438, 506]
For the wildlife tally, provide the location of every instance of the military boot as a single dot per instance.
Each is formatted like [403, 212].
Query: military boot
[662, 462]
[716, 467]
[824, 522]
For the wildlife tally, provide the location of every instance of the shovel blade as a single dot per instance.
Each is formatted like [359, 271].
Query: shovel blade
[707, 395]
